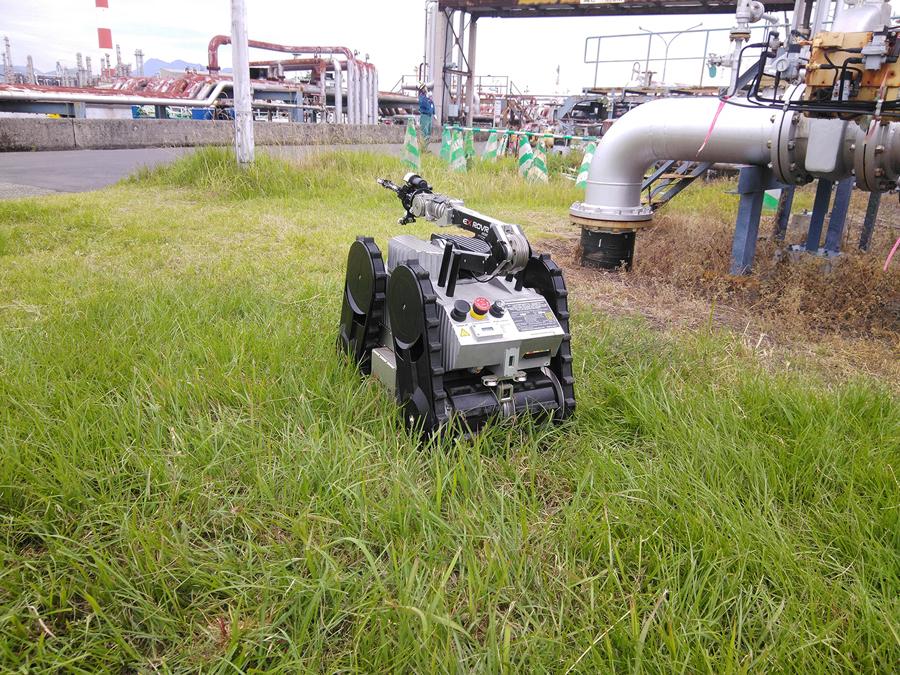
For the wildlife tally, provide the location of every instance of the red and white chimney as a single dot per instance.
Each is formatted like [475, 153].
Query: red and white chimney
[104, 35]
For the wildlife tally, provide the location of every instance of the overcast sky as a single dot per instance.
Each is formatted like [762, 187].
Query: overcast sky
[391, 32]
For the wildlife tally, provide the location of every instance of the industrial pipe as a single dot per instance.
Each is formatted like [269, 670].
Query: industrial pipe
[207, 95]
[338, 91]
[290, 64]
[356, 71]
[431, 9]
[870, 15]
[375, 96]
[364, 93]
[351, 92]
[323, 92]
[222, 40]
[820, 14]
[797, 16]
[372, 95]
[114, 96]
[667, 129]
[797, 149]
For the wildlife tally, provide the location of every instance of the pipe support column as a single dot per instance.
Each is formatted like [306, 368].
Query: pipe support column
[820, 209]
[865, 237]
[838, 216]
[438, 63]
[470, 80]
[752, 185]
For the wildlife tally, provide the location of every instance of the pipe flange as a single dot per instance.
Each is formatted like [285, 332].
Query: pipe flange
[611, 226]
[788, 128]
[872, 159]
[628, 214]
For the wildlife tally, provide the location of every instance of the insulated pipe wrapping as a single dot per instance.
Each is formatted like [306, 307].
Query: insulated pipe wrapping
[375, 113]
[351, 92]
[670, 129]
[338, 91]
[431, 11]
[324, 92]
[363, 94]
[821, 14]
[361, 91]
[373, 97]
[121, 99]
[358, 102]
[364, 98]
[367, 94]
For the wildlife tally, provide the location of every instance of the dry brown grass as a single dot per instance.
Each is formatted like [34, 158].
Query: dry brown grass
[842, 313]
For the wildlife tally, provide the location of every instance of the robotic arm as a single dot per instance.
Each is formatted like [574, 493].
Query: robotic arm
[509, 248]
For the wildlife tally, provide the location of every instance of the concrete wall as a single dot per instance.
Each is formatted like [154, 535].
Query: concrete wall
[22, 133]
[18, 134]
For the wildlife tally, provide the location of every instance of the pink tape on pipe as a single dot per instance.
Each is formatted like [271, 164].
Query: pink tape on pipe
[712, 126]
[891, 254]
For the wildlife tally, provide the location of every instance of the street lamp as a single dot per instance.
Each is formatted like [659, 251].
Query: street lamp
[667, 43]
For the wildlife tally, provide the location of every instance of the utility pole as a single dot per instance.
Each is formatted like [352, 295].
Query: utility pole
[243, 113]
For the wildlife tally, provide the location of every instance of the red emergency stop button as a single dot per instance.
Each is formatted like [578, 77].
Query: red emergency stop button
[480, 307]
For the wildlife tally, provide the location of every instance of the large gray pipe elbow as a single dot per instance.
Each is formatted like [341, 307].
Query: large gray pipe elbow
[796, 148]
[668, 129]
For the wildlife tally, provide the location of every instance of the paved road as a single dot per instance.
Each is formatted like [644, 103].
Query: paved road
[74, 170]
[24, 174]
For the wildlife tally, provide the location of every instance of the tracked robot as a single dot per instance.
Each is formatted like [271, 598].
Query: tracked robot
[459, 328]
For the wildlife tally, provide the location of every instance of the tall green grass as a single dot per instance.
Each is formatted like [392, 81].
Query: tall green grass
[191, 478]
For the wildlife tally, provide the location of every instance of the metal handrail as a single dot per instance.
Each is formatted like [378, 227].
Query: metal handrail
[649, 37]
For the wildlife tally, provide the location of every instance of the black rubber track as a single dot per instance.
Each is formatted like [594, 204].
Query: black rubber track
[415, 328]
[545, 277]
[362, 314]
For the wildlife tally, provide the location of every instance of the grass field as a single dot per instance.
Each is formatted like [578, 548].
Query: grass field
[191, 478]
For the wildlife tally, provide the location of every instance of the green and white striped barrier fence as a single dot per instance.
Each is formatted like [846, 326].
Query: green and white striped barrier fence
[491, 148]
[539, 164]
[412, 158]
[446, 144]
[458, 153]
[503, 144]
[584, 169]
[470, 143]
[458, 145]
[511, 132]
[526, 158]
